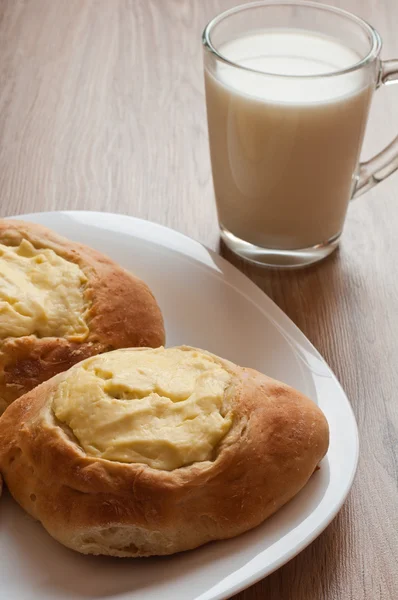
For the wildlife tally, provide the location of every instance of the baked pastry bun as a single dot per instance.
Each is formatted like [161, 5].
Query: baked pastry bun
[141, 452]
[61, 302]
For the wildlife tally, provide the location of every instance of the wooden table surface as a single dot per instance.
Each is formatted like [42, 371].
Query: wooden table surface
[102, 107]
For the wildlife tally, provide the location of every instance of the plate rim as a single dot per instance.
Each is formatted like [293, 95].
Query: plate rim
[284, 322]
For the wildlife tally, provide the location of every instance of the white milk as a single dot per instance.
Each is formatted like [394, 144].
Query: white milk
[284, 150]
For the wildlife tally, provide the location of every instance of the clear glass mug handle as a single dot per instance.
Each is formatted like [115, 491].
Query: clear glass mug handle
[379, 167]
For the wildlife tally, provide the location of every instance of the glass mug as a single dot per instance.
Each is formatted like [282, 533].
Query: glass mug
[288, 90]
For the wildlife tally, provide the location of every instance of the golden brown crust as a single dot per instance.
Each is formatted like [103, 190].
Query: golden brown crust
[123, 313]
[96, 506]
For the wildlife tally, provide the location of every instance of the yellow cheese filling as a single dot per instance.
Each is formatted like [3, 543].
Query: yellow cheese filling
[165, 408]
[41, 293]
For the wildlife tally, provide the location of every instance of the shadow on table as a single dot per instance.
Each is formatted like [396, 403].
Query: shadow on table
[320, 299]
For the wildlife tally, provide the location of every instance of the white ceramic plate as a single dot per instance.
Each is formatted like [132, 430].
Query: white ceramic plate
[208, 303]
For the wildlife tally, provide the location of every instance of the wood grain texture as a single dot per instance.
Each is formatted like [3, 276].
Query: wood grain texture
[102, 107]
